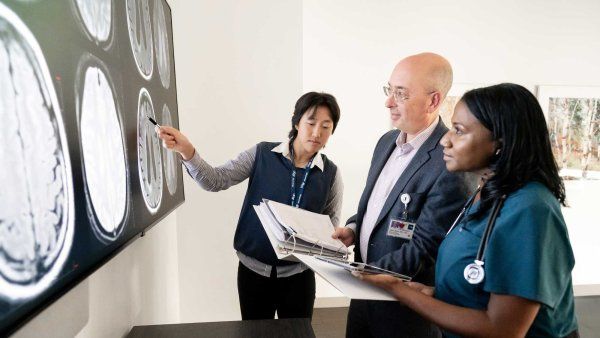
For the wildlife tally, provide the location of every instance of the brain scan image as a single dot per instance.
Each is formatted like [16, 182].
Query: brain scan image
[149, 154]
[37, 209]
[103, 153]
[170, 159]
[161, 44]
[96, 19]
[140, 36]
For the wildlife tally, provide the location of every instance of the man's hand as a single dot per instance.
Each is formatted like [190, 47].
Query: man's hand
[344, 234]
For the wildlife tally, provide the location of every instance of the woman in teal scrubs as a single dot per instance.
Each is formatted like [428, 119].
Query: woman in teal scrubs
[516, 280]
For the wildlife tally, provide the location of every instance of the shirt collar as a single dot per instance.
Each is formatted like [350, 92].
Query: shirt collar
[418, 140]
[284, 150]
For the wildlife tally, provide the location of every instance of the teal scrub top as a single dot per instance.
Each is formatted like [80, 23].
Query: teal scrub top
[528, 255]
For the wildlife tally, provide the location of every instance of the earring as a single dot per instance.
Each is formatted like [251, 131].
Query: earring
[497, 151]
[486, 175]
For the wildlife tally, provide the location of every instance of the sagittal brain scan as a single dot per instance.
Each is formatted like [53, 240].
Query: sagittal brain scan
[140, 35]
[149, 157]
[36, 213]
[102, 144]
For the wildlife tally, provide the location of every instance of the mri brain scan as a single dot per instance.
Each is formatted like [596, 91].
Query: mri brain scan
[96, 17]
[149, 155]
[161, 44]
[140, 36]
[103, 150]
[37, 210]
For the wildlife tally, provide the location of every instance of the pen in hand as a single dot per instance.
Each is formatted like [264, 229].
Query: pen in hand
[153, 122]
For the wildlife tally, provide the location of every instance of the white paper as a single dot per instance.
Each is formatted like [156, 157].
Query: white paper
[272, 238]
[309, 226]
[343, 280]
[270, 222]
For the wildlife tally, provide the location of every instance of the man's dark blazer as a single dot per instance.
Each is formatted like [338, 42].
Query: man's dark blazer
[436, 197]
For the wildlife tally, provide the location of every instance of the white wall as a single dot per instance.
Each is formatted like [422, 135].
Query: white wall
[351, 46]
[238, 76]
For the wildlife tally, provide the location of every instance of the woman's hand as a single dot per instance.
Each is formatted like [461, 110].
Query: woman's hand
[395, 285]
[422, 288]
[173, 139]
[385, 282]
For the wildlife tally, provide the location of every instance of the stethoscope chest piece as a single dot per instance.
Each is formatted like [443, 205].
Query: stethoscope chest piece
[474, 272]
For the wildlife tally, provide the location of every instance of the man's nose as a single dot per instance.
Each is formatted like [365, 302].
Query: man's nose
[390, 102]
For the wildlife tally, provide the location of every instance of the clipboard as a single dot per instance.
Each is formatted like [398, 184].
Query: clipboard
[363, 268]
[344, 281]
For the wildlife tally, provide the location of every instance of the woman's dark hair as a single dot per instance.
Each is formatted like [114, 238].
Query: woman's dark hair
[517, 123]
[307, 103]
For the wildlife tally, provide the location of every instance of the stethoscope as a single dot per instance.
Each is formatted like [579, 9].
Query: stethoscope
[474, 272]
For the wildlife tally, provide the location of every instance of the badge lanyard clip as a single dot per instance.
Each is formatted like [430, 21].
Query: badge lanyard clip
[405, 199]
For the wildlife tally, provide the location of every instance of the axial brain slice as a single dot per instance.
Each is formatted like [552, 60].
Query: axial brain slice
[161, 43]
[149, 155]
[140, 35]
[96, 16]
[35, 223]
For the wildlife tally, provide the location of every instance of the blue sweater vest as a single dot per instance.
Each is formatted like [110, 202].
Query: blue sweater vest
[271, 179]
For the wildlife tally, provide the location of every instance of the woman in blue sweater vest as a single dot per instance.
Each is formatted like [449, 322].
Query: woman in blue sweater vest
[504, 268]
[292, 172]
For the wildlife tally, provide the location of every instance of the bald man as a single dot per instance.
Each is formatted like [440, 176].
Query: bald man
[409, 200]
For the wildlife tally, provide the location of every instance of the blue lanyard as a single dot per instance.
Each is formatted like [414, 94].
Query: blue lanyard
[295, 203]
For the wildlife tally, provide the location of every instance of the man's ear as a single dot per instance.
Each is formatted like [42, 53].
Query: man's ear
[435, 101]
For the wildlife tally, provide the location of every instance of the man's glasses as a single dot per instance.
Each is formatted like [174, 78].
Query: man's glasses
[399, 95]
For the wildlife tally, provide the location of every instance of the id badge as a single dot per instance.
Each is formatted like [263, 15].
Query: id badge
[400, 228]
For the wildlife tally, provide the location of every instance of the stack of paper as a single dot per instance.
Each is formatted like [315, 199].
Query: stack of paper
[297, 231]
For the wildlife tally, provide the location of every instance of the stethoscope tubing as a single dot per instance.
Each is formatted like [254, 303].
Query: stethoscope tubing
[479, 258]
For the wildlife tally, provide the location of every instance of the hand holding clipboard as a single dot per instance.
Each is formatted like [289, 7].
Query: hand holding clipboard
[363, 268]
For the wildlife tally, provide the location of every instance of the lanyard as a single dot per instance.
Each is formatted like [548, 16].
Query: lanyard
[295, 203]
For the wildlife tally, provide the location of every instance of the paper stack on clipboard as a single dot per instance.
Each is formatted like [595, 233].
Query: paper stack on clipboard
[341, 279]
[297, 231]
